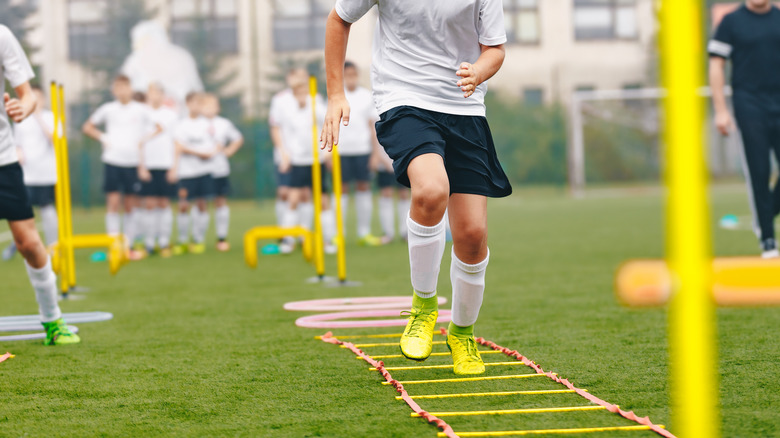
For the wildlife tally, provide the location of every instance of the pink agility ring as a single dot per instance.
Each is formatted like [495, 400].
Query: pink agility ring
[363, 303]
[329, 320]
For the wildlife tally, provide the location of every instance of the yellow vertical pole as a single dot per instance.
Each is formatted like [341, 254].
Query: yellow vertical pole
[337, 189]
[316, 177]
[60, 193]
[693, 361]
[68, 212]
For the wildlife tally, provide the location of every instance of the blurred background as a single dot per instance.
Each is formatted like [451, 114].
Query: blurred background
[575, 105]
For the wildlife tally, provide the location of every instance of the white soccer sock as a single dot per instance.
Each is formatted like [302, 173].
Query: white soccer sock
[468, 288]
[426, 248]
[200, 224]
[306, 215]
[50, 225]
[386, 217]
[183, 224]
[364, 204]
[328, 218]
[222, 221]
[129, 227]
[44, 282]
[164, 226]
[113, 224]
[344, 211]
[404, 206]
[280, 207]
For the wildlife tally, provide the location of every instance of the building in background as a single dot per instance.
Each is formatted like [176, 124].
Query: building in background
[554, 48]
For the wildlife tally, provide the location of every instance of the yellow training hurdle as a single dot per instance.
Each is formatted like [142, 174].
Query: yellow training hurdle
[255, 234]
[63, 259]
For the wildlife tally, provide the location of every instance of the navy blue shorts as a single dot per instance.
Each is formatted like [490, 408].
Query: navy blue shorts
[121, 179]
[41, 196]
[14, 200]
[464, 142]
[221, 186]
[386, 179]
[300, 177]
[354, 168]
[159, 186]
[282, 179]
[196, 188]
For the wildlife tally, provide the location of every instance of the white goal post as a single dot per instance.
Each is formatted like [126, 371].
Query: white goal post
[576, 144]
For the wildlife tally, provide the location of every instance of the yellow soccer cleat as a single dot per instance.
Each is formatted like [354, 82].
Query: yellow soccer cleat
[465, 355]
[197, 248]
[417, 340]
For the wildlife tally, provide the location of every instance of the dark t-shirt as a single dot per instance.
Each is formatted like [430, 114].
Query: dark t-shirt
[752, 42]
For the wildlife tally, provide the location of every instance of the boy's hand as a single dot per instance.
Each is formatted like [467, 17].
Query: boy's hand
[284, 163]
[144, 174]
[338, 111]
[470, 78]
[171, 176]
[14, 108]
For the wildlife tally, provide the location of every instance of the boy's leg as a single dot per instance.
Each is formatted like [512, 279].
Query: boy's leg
[470, 255]
[364, 204]
[200, 218]
[328, 222]
[149, 222]
[43, 280]
[291, 217]
[164, 223]
[183, 220]
[430, 193]
[113, 220]
[222, 222]
[50, 223]
[404, 205]
[130, 224]
[387, 213]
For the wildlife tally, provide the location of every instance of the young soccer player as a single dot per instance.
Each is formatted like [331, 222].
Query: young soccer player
[297, 157]
[279, 102]
[229, 140]
[750, 38]
[432, 59]
[357, 144]
[389, 188]
[127, 126]
[195, 147]
[158, 176]
[14, 202]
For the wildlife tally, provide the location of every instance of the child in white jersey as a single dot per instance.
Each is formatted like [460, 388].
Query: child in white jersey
[158, 175]
[128, 125]
[431, 63]
[230, 140]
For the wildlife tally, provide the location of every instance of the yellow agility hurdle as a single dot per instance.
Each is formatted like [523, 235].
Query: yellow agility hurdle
[63, 258]
[401, 356]
[489, 394]
[446, 366]
[256, 234]
[551, 431]
[470, 379]
[513, 411]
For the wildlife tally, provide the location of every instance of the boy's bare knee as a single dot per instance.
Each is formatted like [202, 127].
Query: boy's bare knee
[431, 197]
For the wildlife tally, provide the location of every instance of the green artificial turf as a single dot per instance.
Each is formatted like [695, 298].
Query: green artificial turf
[200, 345]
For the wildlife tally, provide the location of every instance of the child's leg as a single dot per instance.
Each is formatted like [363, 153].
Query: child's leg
[364, 204]
[149, 222]
[328, 221]
[404, 205]
[305, 207]
[113, 221]
[130, 222]
[39, 269]
[50, 224]
[183, 218]
[200, 220]
[430, 193]
[470, 255]
[222, 217]
[386, 212]
[164, 222]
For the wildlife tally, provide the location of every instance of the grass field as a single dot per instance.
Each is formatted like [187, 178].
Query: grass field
[200, 345]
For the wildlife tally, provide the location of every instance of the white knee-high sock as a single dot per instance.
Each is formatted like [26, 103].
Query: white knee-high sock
[404, 206]
[113, 224]
[183, 223]
[164, 226]
[306, 215]
[280, 207]
[129, 227]
[426, 248]
[364, 205]
[222, 221]
[468, 288]
[200, 224]
[328, 218]
[50, 225]
[149, 226]
[44, 282]
[386, 217]
[344, 210]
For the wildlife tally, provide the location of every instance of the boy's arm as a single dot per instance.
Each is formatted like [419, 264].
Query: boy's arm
[336, 36]
[487, 65]
[173, 175]
[233, 147]
[278, 141]
[23, 105]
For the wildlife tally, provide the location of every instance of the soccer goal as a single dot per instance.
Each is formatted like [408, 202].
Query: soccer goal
[615, 139]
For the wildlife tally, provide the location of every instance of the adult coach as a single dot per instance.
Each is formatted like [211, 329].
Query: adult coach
[14, 202]
[750, 38]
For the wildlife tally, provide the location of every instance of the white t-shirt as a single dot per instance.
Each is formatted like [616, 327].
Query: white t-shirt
[419, 45]
[224, 132]
[125, 126]
[159, 150]
[355, 139]
[14, 67]
[193, 134]
[296, 125]
[32, 137]
[274, 115]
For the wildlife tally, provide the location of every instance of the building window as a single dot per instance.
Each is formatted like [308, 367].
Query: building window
[605, 19]
[87, 29]
[533, 96]
[205, 24]
[300, 24]
[521, 20]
